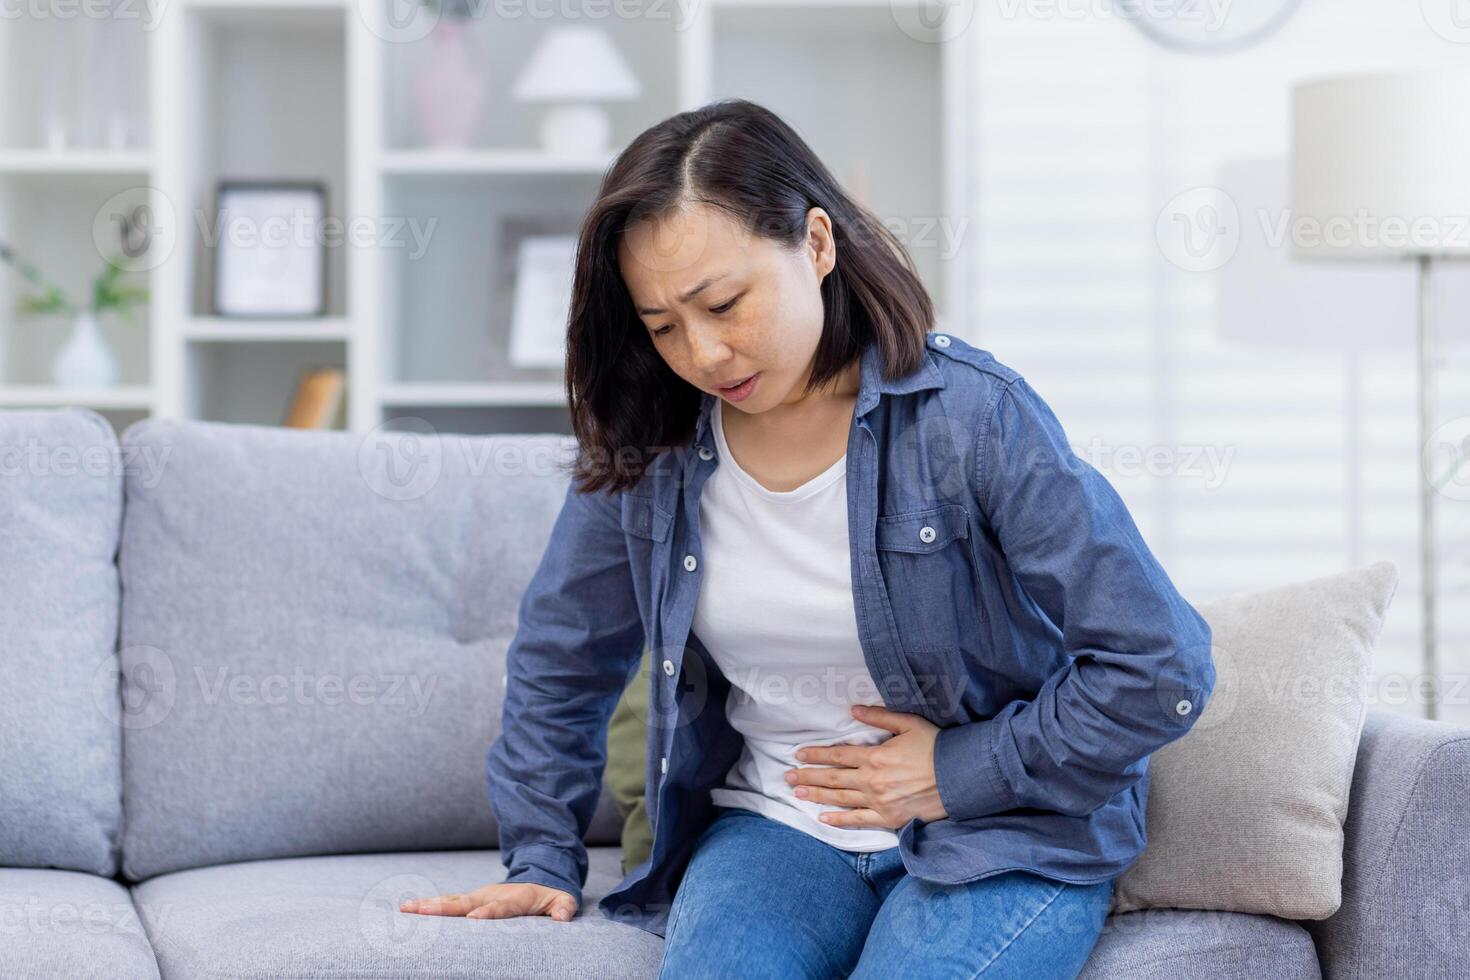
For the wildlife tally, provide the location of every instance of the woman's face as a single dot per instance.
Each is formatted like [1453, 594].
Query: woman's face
[721, 303]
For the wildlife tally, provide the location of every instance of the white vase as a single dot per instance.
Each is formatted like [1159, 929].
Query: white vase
[85, 360]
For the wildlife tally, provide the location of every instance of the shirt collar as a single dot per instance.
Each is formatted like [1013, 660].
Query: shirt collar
[871, 387]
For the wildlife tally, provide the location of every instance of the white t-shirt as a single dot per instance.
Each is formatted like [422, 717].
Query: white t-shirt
[776, 613]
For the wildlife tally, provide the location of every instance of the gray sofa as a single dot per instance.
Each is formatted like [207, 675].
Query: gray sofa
[249, 676]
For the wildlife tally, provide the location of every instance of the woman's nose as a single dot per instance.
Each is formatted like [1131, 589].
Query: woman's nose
[707, 351]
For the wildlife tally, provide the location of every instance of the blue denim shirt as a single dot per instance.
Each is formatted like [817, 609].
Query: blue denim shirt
[1002, 591]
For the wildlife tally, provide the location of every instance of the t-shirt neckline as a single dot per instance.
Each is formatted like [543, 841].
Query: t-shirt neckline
[819, 482]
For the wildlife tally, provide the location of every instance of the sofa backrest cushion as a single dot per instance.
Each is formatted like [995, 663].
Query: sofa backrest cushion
[61, 500]
[315, 627]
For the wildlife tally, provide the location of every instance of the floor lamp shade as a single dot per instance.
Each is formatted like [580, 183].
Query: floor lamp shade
[1381, 166]
[1380, 169]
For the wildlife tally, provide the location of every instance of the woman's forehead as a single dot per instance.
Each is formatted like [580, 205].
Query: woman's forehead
[675, 257]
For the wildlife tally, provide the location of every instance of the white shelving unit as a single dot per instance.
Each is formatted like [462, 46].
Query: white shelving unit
[310, 89]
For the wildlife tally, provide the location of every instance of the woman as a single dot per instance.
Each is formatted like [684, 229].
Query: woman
[911, 654]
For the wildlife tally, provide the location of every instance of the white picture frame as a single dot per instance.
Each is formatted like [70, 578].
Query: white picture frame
[269, 258]
[542, 303]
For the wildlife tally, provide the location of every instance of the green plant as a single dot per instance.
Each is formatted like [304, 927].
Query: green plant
[111, 292]
[453, 9]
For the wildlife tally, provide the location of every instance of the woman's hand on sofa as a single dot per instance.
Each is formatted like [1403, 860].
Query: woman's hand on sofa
[498, 901]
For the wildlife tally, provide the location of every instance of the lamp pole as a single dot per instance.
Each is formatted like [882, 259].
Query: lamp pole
[1428, 579]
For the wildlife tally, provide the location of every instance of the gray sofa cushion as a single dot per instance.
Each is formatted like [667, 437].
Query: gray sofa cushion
[314, 630]
[60, 746]
[70, 924]
[1405, 894]
[338, 917]
[1166, 944]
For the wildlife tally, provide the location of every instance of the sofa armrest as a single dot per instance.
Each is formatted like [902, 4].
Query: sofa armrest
[1406, 864]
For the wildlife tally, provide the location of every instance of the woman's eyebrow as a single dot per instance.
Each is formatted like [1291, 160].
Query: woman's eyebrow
[693, 292]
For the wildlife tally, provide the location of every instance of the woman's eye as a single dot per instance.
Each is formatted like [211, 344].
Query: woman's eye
[724, 308]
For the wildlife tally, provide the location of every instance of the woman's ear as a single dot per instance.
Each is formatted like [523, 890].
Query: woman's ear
[821, 246]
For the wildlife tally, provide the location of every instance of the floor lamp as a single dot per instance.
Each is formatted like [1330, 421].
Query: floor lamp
[1380, 170]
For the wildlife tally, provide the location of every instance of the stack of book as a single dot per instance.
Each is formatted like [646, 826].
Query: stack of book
[319, 399]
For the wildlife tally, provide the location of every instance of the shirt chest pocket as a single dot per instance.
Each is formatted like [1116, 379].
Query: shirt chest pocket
[924, 557]
[643, 518]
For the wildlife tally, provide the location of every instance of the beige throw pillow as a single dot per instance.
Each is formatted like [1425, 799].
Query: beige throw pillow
[1245, 812]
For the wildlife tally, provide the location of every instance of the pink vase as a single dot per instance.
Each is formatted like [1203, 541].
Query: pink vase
[451, 85]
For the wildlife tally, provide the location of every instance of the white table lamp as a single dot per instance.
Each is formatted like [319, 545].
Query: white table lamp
[1380, 169]
[573, 68]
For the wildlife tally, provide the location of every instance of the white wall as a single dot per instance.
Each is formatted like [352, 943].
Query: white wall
[1304, 389]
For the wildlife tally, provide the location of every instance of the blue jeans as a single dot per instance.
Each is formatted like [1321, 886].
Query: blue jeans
[762, 899]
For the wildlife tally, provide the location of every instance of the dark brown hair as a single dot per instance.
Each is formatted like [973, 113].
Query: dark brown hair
[627, 404]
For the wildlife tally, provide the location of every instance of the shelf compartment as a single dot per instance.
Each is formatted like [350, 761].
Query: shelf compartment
[270, 104]
[449, 302]
[63, 227]
[252, 382]
[499, 48]
[74, 85]
[870, 70]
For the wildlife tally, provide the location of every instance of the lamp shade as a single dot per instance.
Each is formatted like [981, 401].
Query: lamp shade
[576, 64]
[1380, 165]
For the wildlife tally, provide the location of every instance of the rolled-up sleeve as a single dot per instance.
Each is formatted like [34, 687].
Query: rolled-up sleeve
[1139, 667]
[577, 642]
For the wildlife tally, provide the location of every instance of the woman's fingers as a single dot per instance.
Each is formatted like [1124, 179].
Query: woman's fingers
[499, 901]
[560, 910]
[453, 904]
[490, 910]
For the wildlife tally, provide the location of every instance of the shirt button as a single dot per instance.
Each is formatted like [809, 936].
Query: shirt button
[940, 340]
[1183, 707]
[669, 667]
[690, 564]
[663, 764]
[926, 534]
[706, 453]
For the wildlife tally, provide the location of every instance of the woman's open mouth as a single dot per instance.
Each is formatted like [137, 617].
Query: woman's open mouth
[741, 391]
